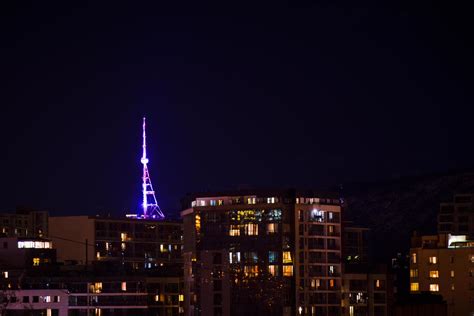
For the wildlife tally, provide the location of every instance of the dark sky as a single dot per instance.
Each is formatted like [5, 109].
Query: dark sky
[235, 95]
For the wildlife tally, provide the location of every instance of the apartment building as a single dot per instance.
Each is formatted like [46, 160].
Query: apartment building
[135, 243]
[444, 264]
[261, 253]
[457, 216]
[24, 223]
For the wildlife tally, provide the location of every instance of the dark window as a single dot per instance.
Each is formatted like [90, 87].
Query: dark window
[35, 299]
[26, 299]
[447, 209]
[217, 299]
[217, 284]
[217, 258]
[463, 199]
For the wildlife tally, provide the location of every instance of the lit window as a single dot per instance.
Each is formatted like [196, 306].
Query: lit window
[316, 215]
[251, 200]
[251, 229]
[287, 257]
[273, 270]
[331, 270]
[452, 287]
[414, 286]
[433, 259]
[123, 236]
[57, 299]
[331, 283]
[234, 230]
[287, 271]
[315, 283]
[234, 257]
[331, 229]
[452, 273]
[124, 286]
[251, 271]
[272, 228]
[271, 200]
[351, 310]
[434, 274]
[47, 299]
[272, 256]
[413, 273]
[197, 223]
[220, 202]
[377, 284]
[413, 257]
[212, 202]
[36, 261]
[181, 297]
[471, 258]
[434, 287]
[5, 274]
[97, 287]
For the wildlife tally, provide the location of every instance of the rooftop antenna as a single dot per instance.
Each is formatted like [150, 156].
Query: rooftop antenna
[151, 209]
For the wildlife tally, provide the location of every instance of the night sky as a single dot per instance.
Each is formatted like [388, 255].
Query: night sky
[303, 95]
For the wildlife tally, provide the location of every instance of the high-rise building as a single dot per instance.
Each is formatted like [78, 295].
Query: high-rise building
[262, 253]
[457, 217]
[444, 264]
[355, 244]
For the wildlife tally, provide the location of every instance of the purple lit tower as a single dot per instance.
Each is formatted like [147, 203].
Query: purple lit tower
[151, 209]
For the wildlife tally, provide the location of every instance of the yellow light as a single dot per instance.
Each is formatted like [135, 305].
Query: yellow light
[434, 274]
[197, 222]
[414, 287]
[181, 297]
[434, 287]
[36, 261]
[287, 257]
[123, 236]
[287, 271]
[124, 286]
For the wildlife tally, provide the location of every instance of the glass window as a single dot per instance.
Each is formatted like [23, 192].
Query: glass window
[413, 273]
[251, 271]
[251, 229]
[433, 259]
[234, 230]
[272, 228]
[272, 256]
[273, 270]
[287, 257]
[414, 286]
[413, 257]
[234, 257]
[434, 287]
[287, 271]
[434, 274]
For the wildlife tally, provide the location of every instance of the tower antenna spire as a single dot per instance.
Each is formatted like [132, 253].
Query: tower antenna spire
[150, 206]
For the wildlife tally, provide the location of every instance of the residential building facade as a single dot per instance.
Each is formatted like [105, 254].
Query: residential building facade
[444, 264]
[261, 253]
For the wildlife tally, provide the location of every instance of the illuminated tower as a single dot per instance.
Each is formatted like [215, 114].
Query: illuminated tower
[151, 209]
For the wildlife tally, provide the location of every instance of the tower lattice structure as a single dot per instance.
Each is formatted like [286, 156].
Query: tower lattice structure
[150, 206]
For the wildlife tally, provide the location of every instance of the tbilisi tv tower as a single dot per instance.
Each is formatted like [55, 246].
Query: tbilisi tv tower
[151, 209]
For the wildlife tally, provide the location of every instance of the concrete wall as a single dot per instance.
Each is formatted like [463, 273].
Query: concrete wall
[69, 234]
